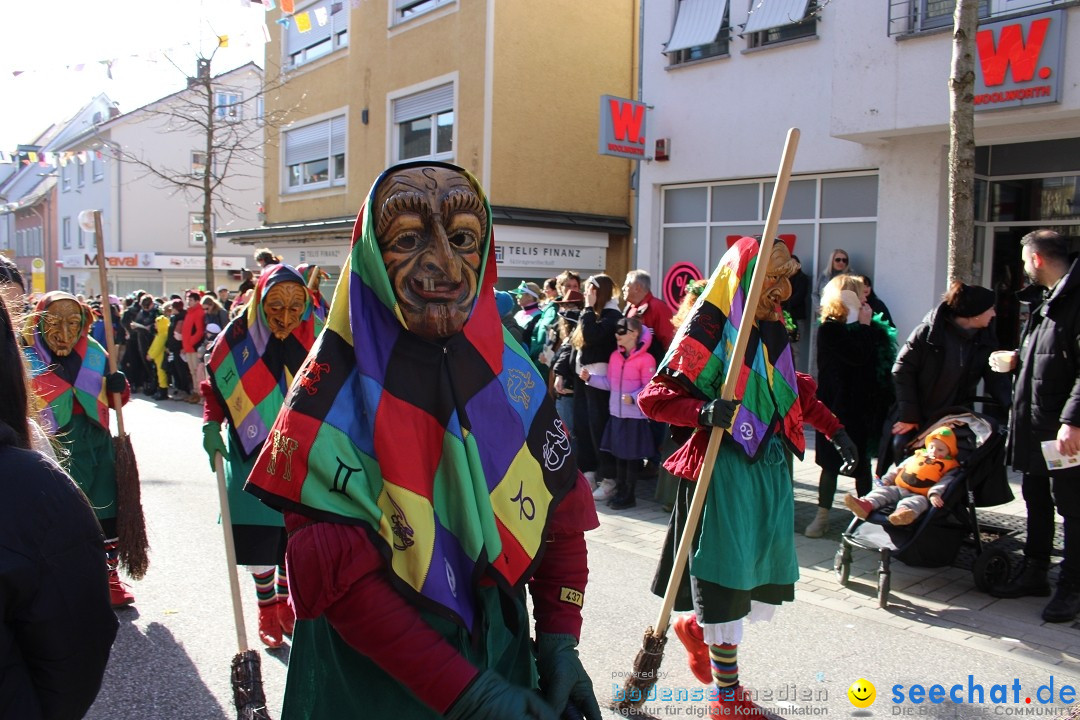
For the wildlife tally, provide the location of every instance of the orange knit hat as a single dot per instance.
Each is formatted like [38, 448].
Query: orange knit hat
[945, 435]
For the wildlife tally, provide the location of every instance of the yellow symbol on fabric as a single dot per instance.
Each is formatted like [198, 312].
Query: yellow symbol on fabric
[285, 446]
[862, 693]
[244, 355]
[518, 385]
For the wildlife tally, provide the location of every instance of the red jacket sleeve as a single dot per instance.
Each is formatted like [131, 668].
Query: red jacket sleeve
[558, 587]
[814, 412]
[663, 400]
[212, 410]
[334, 570]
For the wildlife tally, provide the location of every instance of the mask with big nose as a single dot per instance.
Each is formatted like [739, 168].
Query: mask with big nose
[284, 305]
[431, 225]
[777, 287]
[62, 325]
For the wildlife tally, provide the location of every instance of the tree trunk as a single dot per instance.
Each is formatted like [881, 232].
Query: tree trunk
[962, 143]
[208, 195]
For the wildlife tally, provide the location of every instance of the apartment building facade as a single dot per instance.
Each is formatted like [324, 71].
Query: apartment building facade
[509, 91]
[867, 84]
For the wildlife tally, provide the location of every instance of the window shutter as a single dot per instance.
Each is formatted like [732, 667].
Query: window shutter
[337, 136]
[698, 23]
[307, 143]
[768, 14]
[425, 103]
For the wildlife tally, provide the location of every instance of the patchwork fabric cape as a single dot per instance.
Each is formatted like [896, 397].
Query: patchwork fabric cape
[701, 352]
[251, 371]
[50, 384]
[450, 453]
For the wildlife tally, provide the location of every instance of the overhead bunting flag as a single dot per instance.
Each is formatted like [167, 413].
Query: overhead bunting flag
[223, 41]
[303, 22]
[287, 6]
[321, 16]
[32, 156]
[283, 22]
[270, 5]
[5, 159]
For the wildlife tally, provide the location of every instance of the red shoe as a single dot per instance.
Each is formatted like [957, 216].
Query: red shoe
[286, 617]
[269, 625]
[692, 637]
[861, 508]
[735, 702]
[119, 595]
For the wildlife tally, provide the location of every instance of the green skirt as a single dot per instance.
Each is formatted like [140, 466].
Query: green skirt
[91, 463]
[328, 680]
[244, 507]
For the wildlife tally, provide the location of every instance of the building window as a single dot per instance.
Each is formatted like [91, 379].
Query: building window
[327, 31]
[776, 21]
[65, 177]
[405, 10]
[65, 238]
[198, 163]
[196, 236]
[939, 13]
[80, 235]
[260, 111]
[702, 30]
[80, 173]
[315, 155]
[98, 167]
[228, 106]
[424, 125]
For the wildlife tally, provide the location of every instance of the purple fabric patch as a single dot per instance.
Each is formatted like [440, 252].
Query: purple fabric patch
[449, 580]
[369, 318]
[252, 431]
[498, 431]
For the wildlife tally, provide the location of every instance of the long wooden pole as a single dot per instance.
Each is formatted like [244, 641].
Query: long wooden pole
[230, 554]
[732, 377]
[106, 316]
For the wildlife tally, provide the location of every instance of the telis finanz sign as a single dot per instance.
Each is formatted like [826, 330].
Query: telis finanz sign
[1019, 61]
[622, 127]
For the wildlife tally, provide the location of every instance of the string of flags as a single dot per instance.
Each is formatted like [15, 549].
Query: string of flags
[47, 159]
[303, 19]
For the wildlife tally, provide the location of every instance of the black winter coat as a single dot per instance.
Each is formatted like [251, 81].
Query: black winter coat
[57, 625]
[1047, 393]
[940, 366]
[598, 332]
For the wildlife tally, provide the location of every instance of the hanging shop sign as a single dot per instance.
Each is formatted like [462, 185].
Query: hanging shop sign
[622, 127]
[1019, 61]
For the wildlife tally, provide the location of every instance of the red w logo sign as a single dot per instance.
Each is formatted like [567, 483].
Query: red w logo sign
[622, 127]
[1011, 50]
[626, 120]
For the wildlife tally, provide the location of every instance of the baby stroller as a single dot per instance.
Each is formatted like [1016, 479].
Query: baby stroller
[936, 536]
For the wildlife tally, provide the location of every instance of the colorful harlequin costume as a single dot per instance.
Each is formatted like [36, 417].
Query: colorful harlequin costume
[76, 413]
[425, 483]
[743, 561]
[313, 275]
[249, 373]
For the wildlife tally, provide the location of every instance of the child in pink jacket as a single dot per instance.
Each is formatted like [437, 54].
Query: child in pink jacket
[628, 436]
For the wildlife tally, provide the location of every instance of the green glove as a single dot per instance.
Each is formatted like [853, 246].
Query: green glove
[212, 442]
[489, 697]
[563, 681]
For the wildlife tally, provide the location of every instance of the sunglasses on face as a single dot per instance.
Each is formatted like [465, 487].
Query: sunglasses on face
[621, 330]
[841, 260]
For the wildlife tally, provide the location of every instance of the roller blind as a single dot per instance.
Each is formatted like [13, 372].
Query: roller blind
[308, 143]
[768, 14]
[423, 104]
[337, 136]
[697, 23]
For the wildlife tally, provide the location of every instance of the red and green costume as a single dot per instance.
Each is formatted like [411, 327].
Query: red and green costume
[425, 484]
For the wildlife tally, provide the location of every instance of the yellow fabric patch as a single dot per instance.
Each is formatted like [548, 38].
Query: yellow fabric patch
[572, 596]
[408, 526]
[239, 403]
[521, 501]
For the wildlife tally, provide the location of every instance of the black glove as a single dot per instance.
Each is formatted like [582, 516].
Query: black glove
[115, 383]
[850, 454]
[717, 413]
[489, 697]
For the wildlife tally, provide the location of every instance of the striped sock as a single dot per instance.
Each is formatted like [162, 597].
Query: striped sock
[725, 666]
[264, 587]
[112, 554]
[282, 586]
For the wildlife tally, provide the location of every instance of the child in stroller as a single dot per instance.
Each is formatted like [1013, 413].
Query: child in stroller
[933, 537]
[917, 484]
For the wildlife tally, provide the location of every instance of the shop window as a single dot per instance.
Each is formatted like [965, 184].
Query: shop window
[849, 197]
[424, 125]
[777, 21]
[315, 155]
[686, 205]
[328, 31]
[702, 30]
[800, 203]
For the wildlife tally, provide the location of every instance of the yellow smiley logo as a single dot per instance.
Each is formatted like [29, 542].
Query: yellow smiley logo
[862, 693]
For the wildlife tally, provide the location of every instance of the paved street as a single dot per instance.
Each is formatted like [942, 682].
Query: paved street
[171, 659]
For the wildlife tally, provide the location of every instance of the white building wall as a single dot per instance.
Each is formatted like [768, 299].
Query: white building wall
[863, 101]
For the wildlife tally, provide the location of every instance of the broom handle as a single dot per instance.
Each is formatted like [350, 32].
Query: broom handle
[106, 316]
[230, 554]
[732, 377]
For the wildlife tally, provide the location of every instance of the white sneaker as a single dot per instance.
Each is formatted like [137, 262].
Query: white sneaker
[605, 491]
[591, 477]
[819, 525]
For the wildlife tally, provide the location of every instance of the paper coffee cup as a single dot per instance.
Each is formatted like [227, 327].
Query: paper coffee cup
[1002, 360]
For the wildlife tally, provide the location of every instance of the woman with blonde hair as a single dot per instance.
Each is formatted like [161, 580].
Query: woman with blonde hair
[594, 339]
[855, 352]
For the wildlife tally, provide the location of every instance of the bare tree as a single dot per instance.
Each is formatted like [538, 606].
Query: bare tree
[962, 143]
[232, 124]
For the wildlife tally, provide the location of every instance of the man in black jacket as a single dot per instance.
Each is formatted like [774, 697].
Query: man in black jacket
[1046, 407]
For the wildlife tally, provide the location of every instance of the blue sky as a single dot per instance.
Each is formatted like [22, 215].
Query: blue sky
[152, 47]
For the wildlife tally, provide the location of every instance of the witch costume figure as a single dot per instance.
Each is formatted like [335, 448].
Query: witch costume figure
[742, 563]
[314, 275]
[251, 366]
[69, 373]
[426, 481]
